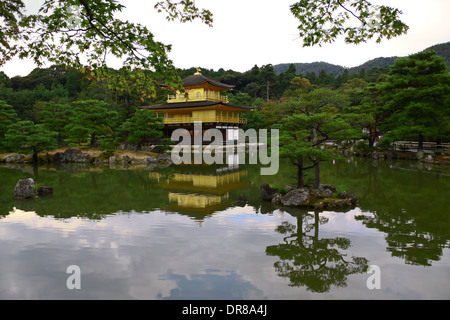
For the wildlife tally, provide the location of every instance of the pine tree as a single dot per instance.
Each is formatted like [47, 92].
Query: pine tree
[25, 136]
[91, 118]
[8, 116]
[143, 125]
[417, 94]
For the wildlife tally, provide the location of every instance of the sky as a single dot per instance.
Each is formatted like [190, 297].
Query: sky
[259, 32]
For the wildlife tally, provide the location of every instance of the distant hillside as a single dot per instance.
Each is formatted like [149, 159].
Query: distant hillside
[377, 62]
[442, 50]
[305, 68]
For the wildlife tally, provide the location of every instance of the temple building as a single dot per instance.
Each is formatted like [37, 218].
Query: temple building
[201, 101]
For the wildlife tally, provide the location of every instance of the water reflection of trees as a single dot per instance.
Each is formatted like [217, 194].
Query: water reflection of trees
[314, 262]
[406, 239]
[406, 202]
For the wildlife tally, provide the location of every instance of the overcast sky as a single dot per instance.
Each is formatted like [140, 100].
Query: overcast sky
[249, 32]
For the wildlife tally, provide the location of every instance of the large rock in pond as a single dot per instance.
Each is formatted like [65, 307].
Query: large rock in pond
[71, 155]
[267, 192]
[24, 189]
[296, 197]
[44, 191]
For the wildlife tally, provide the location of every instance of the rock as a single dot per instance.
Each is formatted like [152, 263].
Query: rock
[289, 188]
[327, 190]
[276, 199]
[14, 158]
[82, 158]
[349, 196]
[126, 159]
[296, 197]
[137, 162]
[112, 159]
[420, 154]
[319, 206]
[71, 154]
[151, 160]
[24, 189]
[339, 203]
[44, 191]
[377, 155]
[429, 159]
[267, 192]
[164, 159]
[59, 157]
[242, 200]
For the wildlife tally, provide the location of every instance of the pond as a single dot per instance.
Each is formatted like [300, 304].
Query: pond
[178, 233]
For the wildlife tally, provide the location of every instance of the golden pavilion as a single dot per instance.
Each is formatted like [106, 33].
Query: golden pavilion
[201, 101]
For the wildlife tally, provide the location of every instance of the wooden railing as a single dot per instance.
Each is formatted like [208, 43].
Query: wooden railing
[194, 97]
[399, 145]
[205, 119]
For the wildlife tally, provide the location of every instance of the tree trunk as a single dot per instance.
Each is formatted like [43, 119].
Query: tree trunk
[300, 182]
[60, 140]
[420, 147]
[316, 174]
[35, 157]
[93, 140]
[316, 163]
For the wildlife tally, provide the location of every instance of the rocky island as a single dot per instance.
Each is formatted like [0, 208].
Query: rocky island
[322, 198]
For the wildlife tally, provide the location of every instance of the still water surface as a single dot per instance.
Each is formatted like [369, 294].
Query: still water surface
[178, 233]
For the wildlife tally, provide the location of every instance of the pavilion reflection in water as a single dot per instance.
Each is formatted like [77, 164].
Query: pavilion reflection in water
[201, 190]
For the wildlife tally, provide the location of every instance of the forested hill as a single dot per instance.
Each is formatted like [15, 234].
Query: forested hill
[305, 68]
[442, 50]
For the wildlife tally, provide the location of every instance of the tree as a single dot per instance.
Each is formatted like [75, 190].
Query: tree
[267, 75]
[322, 21]
[7, 117]
[56, 116]
[83, 34]
[314, 120]
[90, 119]
[417, 99]
[143, 125]
[306, 259]
[369, 111]
[295, 145]
[25, 136]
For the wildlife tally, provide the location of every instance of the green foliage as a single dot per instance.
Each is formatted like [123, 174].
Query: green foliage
[417, 98]
[108, 145]
[80, 33]
[56, 117]
[7, 117]
[357, 20]
[143, 125]
[25, 136]
[90, 119]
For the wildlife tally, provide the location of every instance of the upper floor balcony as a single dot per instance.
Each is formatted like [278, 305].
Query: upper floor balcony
[197, 96]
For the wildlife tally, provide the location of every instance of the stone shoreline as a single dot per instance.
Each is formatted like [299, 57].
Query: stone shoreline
[92, 156]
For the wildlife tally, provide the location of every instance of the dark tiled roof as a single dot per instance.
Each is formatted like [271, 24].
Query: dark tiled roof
[192, 104]
[198, 79]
